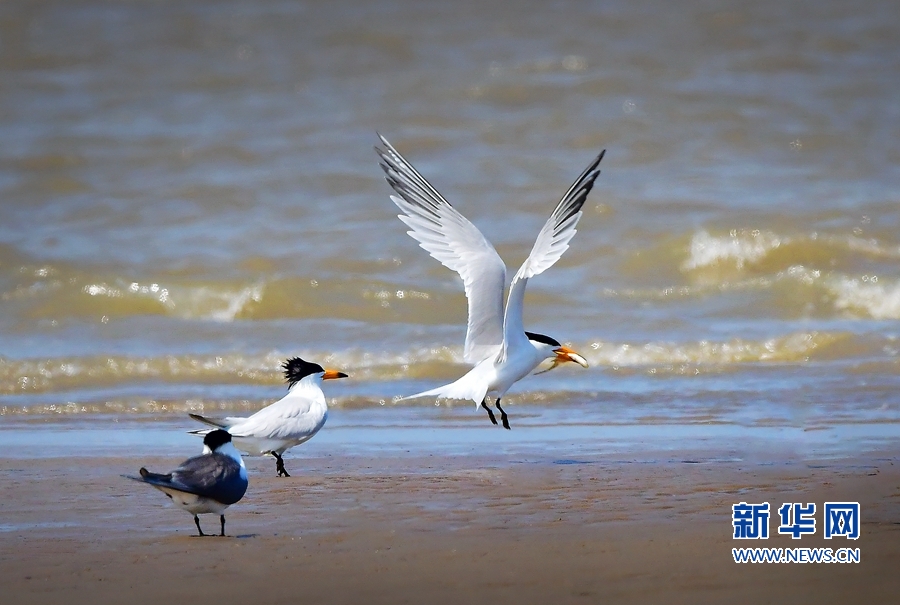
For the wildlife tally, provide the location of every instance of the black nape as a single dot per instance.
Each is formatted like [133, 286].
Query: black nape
[216, 439]
[542, 338]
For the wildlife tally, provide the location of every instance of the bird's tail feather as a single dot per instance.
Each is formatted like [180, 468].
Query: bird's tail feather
[148, 476]
[460, 389]
[151, 478]
[216, 422]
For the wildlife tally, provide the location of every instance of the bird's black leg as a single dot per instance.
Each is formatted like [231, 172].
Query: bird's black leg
[490, 413]
[503, 417]
[197, 521]
[222, 518]
[279, 465]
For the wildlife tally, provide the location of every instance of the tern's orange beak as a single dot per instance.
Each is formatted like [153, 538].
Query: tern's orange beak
[564, 354]
[332, 374]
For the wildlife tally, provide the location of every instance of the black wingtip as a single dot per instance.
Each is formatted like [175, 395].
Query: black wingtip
[592, 172]
[386, 143]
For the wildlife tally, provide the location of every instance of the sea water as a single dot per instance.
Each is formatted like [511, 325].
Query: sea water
[189, 196]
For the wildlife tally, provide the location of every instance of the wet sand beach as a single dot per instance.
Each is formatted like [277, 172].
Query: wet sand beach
[635, 528]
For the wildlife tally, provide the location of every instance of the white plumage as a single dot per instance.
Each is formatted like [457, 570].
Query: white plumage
[496, 342]
[288, 422]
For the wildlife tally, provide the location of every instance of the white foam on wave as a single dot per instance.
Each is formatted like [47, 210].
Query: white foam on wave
[31, 376]
[747, 246]
[739, 247]
[866, 246]
[867, 296]
[217, 304]
[40, 375]
[791, 347]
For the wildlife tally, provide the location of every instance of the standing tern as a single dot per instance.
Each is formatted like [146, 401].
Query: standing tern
[292, 420]
[208, 483]
[497, 344]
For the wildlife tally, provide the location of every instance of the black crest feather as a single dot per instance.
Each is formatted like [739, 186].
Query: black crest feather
[296, 369]
[542, 338]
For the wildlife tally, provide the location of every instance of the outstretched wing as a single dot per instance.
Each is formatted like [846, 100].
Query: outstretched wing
[552, 242]
[450, 238]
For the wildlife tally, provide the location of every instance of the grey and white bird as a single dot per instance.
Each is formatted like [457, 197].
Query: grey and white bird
[497, 344]
[208, 483]
[290, 421]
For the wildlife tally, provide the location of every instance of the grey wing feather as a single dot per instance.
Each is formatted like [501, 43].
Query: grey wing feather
[454, 241]
[559, 229]
[552, 241]
[213, 476]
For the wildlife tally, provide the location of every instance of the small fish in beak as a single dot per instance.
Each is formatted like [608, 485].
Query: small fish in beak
[564, 354]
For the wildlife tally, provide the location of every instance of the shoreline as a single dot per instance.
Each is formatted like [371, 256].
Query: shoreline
[423, 431]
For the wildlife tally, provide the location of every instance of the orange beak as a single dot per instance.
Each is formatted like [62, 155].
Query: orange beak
[333, 374]
[564, 354]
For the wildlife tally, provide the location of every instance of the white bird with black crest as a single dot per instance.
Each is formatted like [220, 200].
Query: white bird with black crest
[208, 483]
[290, 421]
[496, 341]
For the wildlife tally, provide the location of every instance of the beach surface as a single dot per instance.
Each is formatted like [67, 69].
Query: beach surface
[635, 527]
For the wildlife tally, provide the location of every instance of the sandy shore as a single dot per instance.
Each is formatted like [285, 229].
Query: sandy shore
[431, 529]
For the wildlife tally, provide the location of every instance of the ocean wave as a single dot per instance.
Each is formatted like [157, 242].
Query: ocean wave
[738, 248]
[829, 293]
[32, 376]
[60, 291]
[215, 302]
[57, 293]
[132, 406]
[866, 297]
[35, 376]
[743, 249]
[796, 347]
[796, 291]
[805, 275]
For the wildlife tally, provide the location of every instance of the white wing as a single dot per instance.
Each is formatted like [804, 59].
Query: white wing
[450, 238]
[289, 417]
[551, 242]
